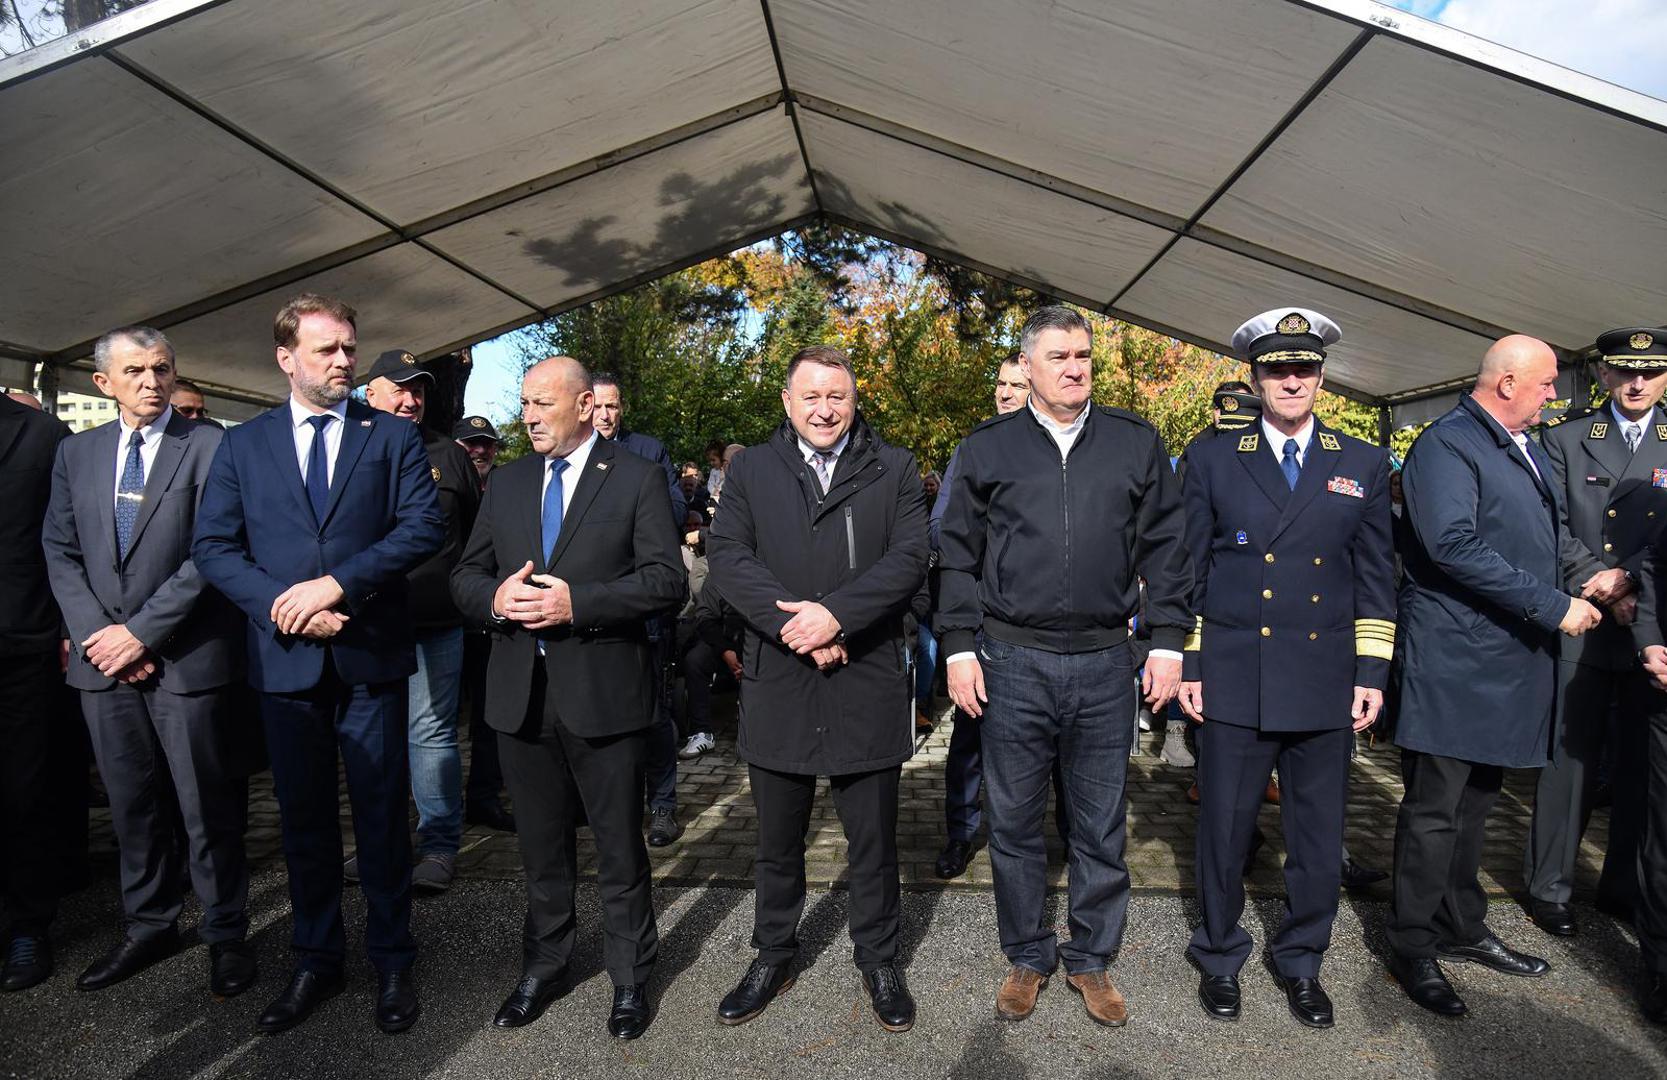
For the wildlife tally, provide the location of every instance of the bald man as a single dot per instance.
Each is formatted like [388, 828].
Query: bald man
[573, 550]
[1480, 615]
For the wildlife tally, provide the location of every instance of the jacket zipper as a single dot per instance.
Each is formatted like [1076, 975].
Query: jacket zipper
[850, 539]
[1065, 498]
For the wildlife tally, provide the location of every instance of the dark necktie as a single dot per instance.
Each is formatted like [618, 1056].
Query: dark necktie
[1288, 463]
[130, 494]
[318, 467]
[551, 521]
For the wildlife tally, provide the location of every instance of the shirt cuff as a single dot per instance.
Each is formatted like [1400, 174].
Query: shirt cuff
[1163, 654]
[959, 657]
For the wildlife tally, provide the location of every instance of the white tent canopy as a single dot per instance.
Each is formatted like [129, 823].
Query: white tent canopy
[456, 169]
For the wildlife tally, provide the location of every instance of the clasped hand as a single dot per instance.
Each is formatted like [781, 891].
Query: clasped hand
[535, 601]
[118, 654]
[297, 609]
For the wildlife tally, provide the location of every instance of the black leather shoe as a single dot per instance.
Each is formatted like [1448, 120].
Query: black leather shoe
[1490, 952]
[231, 968]
[894, 1006]
[953, 859]
[1357, 877]
[1654, 999]
[128, 958]
[663, 827]
[762, 984]
[306, 991]
[1421, 978]
[1555, 919]
[492, 815]
[396, 1001]
[28, 962]
[1309, 1002]
[1219, 994]
[528, 1002]
[629, 1016]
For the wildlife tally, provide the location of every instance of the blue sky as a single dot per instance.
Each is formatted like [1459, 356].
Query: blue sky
[1621, 41]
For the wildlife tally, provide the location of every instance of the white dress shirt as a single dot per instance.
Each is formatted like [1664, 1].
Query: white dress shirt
[809, 452]
[1623, 424]
[151, 440]
[1276, 440]
[299, 414]
[576, 462]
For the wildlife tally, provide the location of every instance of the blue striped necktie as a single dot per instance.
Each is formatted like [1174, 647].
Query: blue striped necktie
[130, 494]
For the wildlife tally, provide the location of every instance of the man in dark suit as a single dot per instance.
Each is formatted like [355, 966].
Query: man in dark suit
[31, 682]
[482, 802]
[152, 649]
[573, 551]
[1289, 529]
[661, 780]
[821, 546]
[1610, 469]
[1480, 611]
[314, 514]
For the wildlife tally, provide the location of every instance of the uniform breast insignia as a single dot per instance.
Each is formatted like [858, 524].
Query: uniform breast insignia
[1661, 433]
[1328, 441]
[1600, 430]
[1600, 481]
[1240, 538]
[1658, 478]
[1342, 485]
[434, 471]
[1247, 443]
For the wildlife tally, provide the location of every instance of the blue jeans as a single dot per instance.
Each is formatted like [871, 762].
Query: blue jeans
[926, 665]
[436, 761]
[1073, 709]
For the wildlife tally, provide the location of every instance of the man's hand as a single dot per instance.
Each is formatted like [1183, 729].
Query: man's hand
[1367, 704]
[137, 672]
[829, 657]
[113, 650]
[324, 626]
[811, 627]
[1606, 586]
[301, 601]
[1191, 698]
[513, 592]
[1655, 665]
[1625, 610]
[966, 685]
[733, 661]
[1161, 681]
[554, 603]
[1580, 617]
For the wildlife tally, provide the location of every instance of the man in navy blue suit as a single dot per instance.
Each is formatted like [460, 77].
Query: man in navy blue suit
[314, 514]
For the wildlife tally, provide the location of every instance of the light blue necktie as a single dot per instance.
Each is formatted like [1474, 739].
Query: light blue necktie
[130, 494]
[1288, 463]
[551, 521]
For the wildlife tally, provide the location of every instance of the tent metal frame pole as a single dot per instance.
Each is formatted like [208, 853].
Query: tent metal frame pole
[787, 96]
[99, 38]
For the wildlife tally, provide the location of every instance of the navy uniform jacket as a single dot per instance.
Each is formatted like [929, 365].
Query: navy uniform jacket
[1614, 507]
[1480, 607]
[1295, 589]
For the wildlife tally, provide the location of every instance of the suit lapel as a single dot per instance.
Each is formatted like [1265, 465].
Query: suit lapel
[1263, 468]
[1316, 468]
[356, 429]
[169, 454]
[1610, 450]
[596, 474]
[280, 438]
[11, 428]
[104, 475]
[529, 502]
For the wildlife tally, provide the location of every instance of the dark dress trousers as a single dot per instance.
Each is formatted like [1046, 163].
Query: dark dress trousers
[1479, 612]
[1295, 599]
[1650, 909]
[572, 704]
[170, 740]
[1614, 506]
[30, 680]
[256, 536]
[861, 550]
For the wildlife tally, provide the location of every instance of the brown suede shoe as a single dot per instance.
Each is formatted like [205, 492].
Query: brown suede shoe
[1016, 999]
[1103, 1001]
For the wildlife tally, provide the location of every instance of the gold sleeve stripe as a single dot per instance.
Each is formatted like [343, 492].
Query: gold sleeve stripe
[1374, 638]
[1195, 640]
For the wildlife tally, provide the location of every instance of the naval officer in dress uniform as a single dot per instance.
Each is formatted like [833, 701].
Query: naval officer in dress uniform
[1610, 465]
[1289, 527]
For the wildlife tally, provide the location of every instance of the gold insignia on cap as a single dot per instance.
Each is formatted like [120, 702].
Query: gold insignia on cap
[478, 421]
[1247, 443]
[407, 358]
[1294, 324]
[1600, 430]
[1329, 441]
[435, 472]
[1229, 404]
[1641, 341]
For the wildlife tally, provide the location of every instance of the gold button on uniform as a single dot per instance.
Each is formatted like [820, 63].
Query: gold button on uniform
[1267, 594]
[1266, 632]
[1609, 547]
[1313, 637]
[1314, 599]
[1611, 512]
[1318, 560]
[1268, 557]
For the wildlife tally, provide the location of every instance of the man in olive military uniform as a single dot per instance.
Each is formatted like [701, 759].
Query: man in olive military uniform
[1610, 465]
[1289, 527]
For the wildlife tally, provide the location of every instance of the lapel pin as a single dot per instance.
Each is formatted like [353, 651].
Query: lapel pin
[601, 466]
[364, 423]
